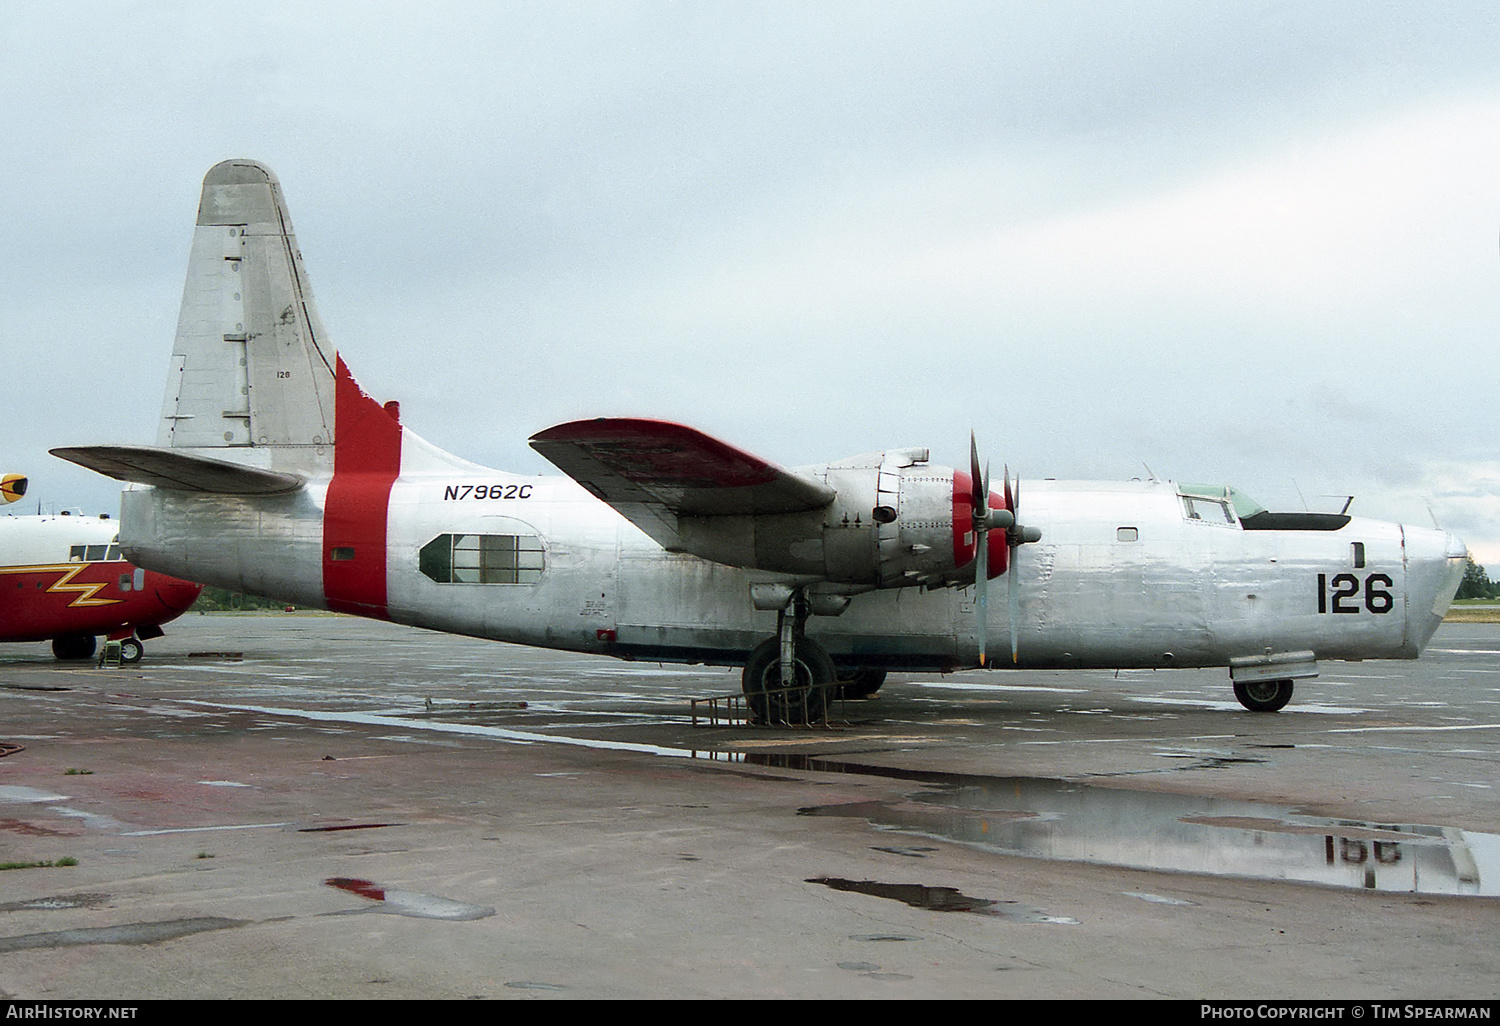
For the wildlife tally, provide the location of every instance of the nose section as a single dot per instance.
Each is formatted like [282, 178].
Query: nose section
[176, 596]
[1435, 562]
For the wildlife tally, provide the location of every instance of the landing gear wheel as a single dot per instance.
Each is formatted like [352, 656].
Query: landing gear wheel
[861, 683]
[73, 646]
[131, 651]
[806, 701]
[1263, 695]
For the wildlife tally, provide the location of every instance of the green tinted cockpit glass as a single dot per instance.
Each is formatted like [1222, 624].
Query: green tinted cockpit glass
[1244, 505]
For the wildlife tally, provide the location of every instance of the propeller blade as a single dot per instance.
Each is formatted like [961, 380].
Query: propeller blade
[1013, 612]
[979, 498]
[981, 594]
[980, 502]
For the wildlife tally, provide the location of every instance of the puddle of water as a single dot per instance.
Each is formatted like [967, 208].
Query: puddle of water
[55, 902]
[15, 794]
[1065, 821]
[131, 933]
[934, 899]
[1157, 899]
[940, 899]
[908, 851]
[410, 903]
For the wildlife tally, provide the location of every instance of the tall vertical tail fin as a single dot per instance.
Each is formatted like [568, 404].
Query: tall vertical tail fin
[252, 368]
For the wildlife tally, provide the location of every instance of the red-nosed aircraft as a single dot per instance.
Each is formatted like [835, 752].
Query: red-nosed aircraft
[63, 579]
[274, 473]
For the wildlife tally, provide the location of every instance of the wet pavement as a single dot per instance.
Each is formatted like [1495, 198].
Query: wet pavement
[315, 806]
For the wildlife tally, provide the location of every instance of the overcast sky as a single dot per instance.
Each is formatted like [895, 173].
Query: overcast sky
[1250, 242]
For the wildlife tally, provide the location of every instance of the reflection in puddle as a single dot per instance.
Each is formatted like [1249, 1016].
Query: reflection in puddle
[409, 903]
[935, 899]
[940, 899]
[1060, 820]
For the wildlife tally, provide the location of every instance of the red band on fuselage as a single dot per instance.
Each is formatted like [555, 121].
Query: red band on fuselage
[366, 463]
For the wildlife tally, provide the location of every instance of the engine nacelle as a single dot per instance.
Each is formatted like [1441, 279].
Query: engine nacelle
[896, 521]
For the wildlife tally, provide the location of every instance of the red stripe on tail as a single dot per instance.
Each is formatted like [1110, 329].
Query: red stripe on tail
[366, 463]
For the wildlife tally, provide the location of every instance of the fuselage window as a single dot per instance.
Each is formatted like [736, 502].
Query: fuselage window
[483, 559]
[1127, 534]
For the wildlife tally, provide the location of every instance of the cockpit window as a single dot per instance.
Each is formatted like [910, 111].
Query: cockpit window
[1212, 503]
[1213, 511]
[1242, 504]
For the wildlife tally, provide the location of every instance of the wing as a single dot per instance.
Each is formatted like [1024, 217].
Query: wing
[654, 472]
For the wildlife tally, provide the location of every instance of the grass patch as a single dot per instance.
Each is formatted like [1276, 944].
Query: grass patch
[79, 773]
[59, 864]
[1466, 614]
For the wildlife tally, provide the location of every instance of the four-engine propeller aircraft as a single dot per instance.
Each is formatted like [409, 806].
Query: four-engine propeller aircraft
[62, 579]
[275, 474]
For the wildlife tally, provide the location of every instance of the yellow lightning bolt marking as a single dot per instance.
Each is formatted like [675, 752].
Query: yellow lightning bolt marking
[62, 585]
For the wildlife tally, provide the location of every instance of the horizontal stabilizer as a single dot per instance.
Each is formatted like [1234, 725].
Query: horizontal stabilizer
[174, 469]
[653, 472]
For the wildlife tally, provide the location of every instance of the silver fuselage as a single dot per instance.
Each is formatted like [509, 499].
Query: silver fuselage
[1181, 592]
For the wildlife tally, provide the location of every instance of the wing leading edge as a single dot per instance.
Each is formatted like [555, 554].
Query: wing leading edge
[653, 472]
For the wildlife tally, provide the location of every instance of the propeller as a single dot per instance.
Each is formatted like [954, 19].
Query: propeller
[983, 519]
[1016, 535]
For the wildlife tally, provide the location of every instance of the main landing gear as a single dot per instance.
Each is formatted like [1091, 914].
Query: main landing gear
[72, 647]
[789, 678]
[1263, 695]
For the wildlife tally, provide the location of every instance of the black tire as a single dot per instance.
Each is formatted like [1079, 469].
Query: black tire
[1263, 695]
[860, 683]
[806, 701]
[131, 651]
[74, 646]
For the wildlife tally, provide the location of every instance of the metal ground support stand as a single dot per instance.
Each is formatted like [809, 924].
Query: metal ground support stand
[109, 655]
